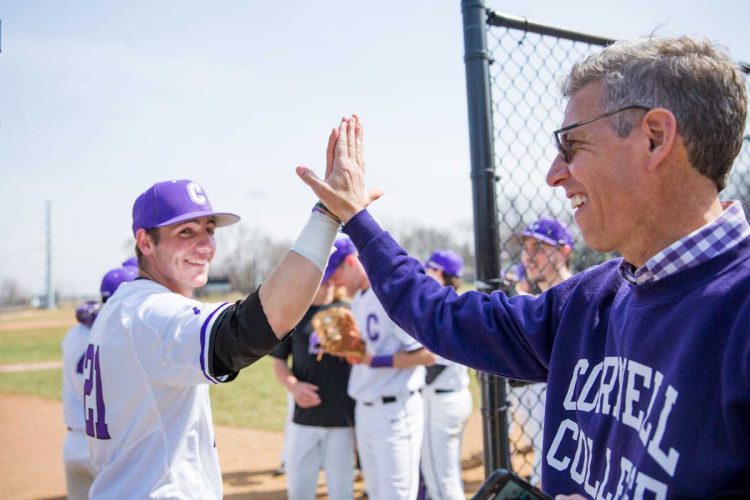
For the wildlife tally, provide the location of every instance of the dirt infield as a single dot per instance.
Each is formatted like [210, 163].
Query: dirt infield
[31, 458]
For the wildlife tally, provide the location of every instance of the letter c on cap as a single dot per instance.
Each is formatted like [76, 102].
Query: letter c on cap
[196, 193]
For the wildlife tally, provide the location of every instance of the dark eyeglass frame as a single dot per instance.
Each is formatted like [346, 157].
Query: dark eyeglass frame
[564, 153]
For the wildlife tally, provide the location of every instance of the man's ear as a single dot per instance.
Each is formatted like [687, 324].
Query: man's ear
[660, 128]
[566, 250]
[144, 242]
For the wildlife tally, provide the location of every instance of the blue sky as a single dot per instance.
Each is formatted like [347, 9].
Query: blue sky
[99, 100]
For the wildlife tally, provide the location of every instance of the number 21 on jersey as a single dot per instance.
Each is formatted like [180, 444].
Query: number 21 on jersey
[96, 423]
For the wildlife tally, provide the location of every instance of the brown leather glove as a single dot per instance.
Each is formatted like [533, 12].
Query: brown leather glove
[337, 332]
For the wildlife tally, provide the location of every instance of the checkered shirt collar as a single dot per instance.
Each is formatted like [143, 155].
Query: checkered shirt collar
[718, 236]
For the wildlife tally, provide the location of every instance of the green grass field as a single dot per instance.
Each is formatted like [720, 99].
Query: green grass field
[255, 399]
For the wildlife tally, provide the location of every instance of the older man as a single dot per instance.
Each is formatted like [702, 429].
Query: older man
[647, 357]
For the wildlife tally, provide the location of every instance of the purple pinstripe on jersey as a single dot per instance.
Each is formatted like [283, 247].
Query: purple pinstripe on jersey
[203, 344]
[716, 237]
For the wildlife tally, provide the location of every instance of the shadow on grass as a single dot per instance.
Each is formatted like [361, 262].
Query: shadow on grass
[260, 495]
[245, 478]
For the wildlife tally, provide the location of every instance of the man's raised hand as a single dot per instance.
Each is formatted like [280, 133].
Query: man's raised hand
[343, 190]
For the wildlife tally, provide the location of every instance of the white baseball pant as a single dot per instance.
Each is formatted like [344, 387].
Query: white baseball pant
[527, 404]
[79, 471]
[312, 448]
[445, 414]
[389, 440]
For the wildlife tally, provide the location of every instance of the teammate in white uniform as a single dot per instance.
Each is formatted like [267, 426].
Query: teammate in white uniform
[79, 471]
[153, 349]
[547, 245]
[385, 385]
[447, 402]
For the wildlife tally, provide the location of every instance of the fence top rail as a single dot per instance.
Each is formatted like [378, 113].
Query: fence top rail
[505, 20]
[501, 19]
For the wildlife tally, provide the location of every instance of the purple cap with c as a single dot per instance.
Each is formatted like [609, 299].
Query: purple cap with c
[342, 248]
[447, 261]
[171, 202]
[550, 231]
[131, 262]
[115, 278]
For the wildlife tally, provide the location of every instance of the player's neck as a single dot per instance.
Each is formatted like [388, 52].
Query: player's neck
[173, 286]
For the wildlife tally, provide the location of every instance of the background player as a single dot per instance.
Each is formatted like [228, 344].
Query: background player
[385, 385]
[153, 349]
[86, 312]
[546, 255]
[321, 434]
[447, 401]
[79, 471]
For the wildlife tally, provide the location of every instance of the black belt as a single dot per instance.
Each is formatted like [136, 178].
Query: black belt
[385, 400]
[444, 391]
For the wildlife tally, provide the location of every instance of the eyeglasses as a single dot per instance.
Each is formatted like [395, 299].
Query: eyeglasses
[561, 136]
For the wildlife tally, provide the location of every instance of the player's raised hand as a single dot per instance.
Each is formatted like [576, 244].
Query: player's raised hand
[343, 189]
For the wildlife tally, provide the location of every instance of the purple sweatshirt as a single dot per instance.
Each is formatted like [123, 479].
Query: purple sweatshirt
[648, 389]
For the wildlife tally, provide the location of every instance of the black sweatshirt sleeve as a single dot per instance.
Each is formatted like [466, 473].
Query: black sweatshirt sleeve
[240, 337]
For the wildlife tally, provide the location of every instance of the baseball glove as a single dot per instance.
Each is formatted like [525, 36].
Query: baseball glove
[337, 332]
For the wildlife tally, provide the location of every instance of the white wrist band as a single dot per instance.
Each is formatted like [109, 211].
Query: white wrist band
[316, 239]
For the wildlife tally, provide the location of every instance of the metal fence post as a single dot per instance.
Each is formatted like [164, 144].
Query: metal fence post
[486, 236]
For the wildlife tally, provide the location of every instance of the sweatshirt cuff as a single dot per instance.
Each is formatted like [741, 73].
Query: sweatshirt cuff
[362, 229]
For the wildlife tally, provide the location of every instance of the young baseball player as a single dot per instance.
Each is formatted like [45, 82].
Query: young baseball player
[447, 401]
[79, 471]
[547, 246]
[321, 434]
[385, 385]
[154, 349]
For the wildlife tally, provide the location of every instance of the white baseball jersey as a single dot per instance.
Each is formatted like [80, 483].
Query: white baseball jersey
[79, 471]
[148, 414]
[388, 431]
[382, 337]
[73, 350]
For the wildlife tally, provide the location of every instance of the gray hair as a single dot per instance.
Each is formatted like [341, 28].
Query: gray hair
[695, 80]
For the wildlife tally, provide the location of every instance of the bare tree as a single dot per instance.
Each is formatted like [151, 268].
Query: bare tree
[247, 256]
[11, 293]
[421, 241]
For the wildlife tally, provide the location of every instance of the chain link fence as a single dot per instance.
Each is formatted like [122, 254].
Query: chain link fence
[527, 64]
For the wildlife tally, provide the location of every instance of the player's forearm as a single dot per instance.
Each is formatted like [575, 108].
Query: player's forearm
[419, 357]
[283, 373]
[290, 288]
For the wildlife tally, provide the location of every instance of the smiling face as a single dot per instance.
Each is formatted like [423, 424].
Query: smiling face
[604, 178]
[181, 258]
[544, 263]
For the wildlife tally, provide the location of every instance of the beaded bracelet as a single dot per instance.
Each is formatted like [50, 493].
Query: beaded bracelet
[321, 208]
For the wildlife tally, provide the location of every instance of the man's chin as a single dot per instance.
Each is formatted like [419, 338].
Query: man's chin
[199, 281]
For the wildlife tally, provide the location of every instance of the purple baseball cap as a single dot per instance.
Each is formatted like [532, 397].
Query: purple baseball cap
[171, 202]
[550, 231]
[115, 278]
[447, 261]
[342, 248]
[131, 262]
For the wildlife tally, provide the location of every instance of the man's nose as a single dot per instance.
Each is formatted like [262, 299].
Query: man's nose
[207, 242]
[558, 172]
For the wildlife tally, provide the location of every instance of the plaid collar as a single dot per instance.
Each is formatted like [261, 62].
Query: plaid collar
[718, 236]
